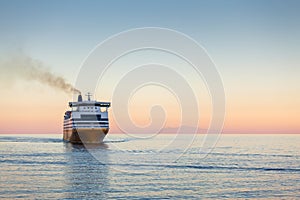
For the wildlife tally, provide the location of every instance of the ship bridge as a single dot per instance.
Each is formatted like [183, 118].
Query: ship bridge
[89, 106]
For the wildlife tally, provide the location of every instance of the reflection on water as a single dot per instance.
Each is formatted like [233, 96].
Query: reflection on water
[85, 176]
[41, 167]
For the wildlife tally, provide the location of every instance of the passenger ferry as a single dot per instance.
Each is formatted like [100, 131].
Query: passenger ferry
[86, 121]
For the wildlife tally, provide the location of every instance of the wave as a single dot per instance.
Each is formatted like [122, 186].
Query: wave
[209, 167]
[51, 140]
[116, 141]
[251, 154]
[151, 166]
[155, 166]
[124, 140]
[198, 151]
[29, 139]
[29, 162]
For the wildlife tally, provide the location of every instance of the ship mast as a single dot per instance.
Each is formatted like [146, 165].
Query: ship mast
[89, 96]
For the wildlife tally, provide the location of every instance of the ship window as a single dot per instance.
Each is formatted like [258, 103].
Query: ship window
[91, 117]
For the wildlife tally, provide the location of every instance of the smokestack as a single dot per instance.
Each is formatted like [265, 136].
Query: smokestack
[79, 98]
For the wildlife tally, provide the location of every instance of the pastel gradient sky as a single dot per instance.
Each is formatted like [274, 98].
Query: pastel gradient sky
[254, 44]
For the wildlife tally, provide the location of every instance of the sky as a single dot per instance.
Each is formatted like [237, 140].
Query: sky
[255, 46]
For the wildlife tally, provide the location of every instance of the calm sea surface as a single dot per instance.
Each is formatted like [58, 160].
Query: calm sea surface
[240, 166]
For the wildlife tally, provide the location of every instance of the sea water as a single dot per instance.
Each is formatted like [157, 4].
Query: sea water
[239, 166]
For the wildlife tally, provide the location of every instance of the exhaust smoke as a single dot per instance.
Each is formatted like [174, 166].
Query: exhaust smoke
[21, 66]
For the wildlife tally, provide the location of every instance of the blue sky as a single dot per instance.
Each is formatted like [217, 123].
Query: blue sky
[235, 33]
[68, 30]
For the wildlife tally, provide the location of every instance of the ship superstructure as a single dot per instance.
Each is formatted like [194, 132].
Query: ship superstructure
[86, 121]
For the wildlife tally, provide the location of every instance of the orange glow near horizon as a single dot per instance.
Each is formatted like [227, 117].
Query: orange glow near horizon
[42, 112]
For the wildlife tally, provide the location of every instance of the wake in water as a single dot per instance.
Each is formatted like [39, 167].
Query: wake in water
[29, 139]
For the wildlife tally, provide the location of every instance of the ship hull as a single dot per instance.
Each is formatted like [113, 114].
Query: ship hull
[85, 135]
